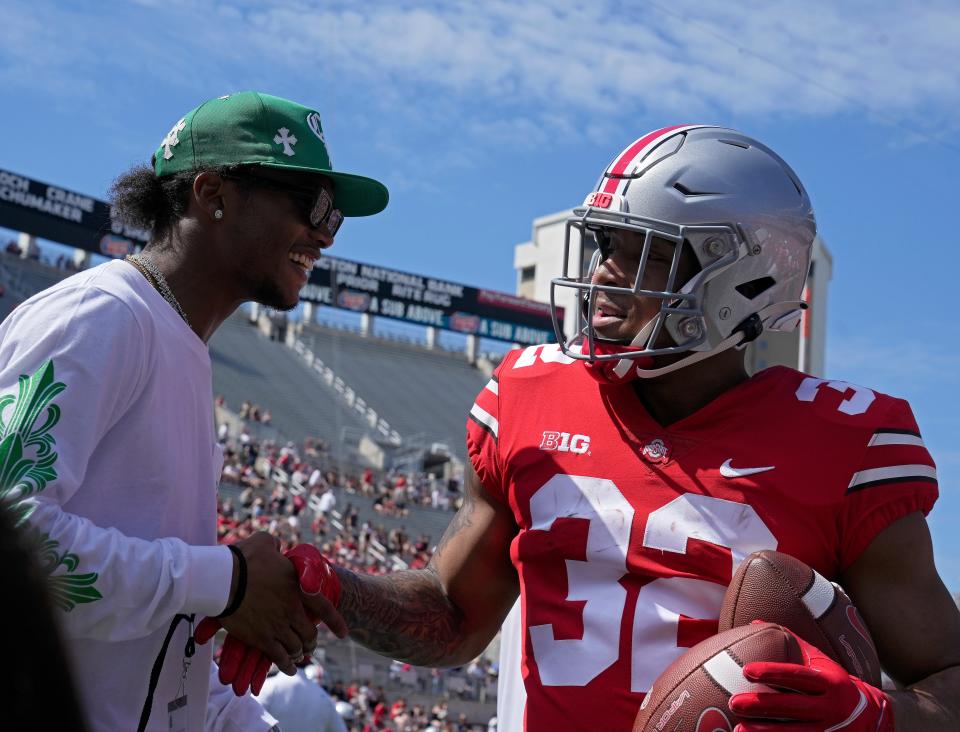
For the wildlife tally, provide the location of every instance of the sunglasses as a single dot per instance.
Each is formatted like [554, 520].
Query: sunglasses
[315, 205]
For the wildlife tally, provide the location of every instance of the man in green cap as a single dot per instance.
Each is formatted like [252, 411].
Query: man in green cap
[107, 442]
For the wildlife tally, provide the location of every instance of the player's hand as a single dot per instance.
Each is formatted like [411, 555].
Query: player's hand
[271, 617]
[810, 697]
[243, 666]
[321, 589]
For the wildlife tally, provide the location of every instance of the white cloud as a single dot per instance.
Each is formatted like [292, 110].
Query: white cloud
[767, 58]
[518, 71]
[569, 51]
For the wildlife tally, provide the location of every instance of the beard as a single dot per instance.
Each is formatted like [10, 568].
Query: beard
[267, 293]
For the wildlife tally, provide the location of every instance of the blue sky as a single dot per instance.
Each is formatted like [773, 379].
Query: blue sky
[482, 116]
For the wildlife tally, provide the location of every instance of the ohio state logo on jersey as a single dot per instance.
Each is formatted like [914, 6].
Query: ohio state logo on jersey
[565, 442]
[656, 451]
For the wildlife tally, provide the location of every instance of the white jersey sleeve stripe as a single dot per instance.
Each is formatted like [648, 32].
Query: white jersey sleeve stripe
[485, 418]
[493, 386]
[895, 438]
[892, 473]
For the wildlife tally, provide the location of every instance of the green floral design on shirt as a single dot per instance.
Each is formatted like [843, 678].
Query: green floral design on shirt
[27, 459]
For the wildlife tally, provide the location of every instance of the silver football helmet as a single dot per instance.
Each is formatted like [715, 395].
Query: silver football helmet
[742, 212]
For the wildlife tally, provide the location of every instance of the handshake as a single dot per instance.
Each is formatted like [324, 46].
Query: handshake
[276, 602]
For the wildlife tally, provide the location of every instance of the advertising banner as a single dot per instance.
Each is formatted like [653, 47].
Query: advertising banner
[63, 216]
[365, 288]
[71, 218]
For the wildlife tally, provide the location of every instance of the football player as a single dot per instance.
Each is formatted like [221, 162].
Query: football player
[617, 479]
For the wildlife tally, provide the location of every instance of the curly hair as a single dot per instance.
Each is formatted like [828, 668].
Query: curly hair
[142, 200]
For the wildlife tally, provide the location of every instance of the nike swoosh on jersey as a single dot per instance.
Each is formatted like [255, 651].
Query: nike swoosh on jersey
[728, 471]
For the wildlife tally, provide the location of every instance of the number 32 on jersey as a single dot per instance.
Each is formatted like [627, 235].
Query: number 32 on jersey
[595, 580]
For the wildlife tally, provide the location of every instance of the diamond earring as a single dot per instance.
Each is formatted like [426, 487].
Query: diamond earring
[218, 214]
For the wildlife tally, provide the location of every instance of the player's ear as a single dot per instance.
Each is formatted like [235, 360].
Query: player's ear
[208, 194]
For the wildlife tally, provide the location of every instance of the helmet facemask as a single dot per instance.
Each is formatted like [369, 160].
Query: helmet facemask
[678, 327]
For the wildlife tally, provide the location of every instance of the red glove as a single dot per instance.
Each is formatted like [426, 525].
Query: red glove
[317, 576]
[827, 698]
[243, 667]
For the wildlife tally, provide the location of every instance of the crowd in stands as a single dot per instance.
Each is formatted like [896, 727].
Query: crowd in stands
[366, 707]
[286, 491]
[255, 413]
[392, 492]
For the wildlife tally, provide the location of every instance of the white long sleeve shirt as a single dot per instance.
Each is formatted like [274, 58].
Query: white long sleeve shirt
[106, 404]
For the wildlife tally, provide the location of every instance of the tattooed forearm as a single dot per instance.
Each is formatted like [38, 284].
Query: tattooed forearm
[405, 615]
[410, 615]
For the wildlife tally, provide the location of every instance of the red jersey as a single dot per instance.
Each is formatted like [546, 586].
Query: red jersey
[629, 532]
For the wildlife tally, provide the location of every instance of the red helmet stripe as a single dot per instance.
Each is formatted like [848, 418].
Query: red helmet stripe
[636, 150]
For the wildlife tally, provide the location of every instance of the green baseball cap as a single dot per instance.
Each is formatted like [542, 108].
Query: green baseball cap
[249, 128]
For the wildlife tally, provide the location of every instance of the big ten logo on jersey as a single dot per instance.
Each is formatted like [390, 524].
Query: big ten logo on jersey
[545, 352]
[565, 442]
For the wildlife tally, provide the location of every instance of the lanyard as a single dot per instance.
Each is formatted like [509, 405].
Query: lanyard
[188, 652]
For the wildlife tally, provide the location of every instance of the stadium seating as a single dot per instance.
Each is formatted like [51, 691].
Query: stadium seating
[249, 367]
[424, 395]
[429, 521]
[22, 278]
[31, 276]
[10, 297]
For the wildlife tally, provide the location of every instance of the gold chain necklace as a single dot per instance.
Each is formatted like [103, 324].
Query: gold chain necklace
[158, 281]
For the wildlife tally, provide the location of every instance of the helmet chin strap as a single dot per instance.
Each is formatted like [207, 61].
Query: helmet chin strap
[625, 364]
[776, 316]
[729, 342]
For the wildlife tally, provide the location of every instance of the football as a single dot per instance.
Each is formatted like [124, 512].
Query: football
[778, 588]
[691, 695]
